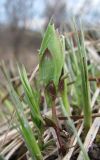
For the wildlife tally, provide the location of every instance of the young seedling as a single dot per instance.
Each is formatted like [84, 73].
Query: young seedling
[52, 59]
[51, 67]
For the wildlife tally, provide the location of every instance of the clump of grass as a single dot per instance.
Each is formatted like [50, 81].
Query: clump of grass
[52, 79]
[77, 64]
[85, 86]
[25, 129]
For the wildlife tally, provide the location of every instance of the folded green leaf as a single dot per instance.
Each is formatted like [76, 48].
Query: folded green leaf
[51, 57]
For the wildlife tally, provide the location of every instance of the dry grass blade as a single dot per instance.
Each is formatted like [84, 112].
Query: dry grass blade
[10, 136]
[6, 134]
[90, 136]
[69, 154]
[94, 56]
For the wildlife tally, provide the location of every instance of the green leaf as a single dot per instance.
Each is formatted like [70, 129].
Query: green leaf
[51, 57]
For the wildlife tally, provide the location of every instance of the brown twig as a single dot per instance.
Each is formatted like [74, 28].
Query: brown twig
[57, 130]
[95, 79]
[76, 117]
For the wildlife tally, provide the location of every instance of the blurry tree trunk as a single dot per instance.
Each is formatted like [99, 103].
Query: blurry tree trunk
[56, 10]
[18, 12]
[17, 39]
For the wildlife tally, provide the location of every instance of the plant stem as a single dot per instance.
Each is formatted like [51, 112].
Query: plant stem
[57, 130]
[65, 98]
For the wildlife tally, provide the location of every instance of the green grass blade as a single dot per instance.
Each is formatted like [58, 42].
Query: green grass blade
[24, 125]
[32, 98]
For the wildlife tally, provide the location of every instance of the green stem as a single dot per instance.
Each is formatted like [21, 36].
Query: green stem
[87, 117]
[86, 96]
[65, 98]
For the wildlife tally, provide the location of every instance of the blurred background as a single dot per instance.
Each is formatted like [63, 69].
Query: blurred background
[23, 22]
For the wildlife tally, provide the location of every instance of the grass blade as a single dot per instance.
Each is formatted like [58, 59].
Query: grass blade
[24, 125]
